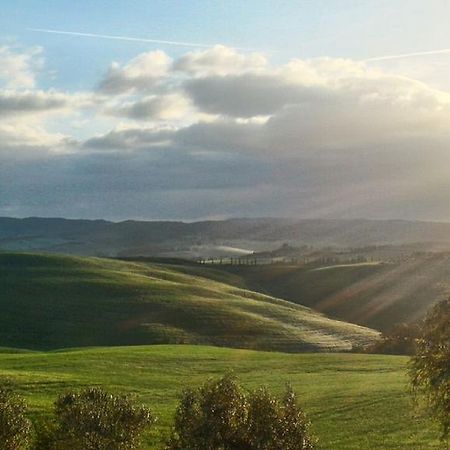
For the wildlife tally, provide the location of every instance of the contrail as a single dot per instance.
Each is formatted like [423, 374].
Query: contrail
[408, 55]
[127, 38]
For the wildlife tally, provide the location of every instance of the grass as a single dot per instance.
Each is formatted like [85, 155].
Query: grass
[373, 295]
[49, 302]
[354, 401]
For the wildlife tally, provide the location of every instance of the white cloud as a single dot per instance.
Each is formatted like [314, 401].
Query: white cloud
[140, 74]
[219, 60]
[21, 140]
[27, 113]
[308, 106]
[18, 66]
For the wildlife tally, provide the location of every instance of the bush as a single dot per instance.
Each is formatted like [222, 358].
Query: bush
[220, 415]
[94, 419]
[430, 366]
[15, 428]
[399, 340]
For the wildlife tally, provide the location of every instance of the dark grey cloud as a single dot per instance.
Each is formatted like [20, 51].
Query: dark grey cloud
[141, 110]
[130, 139]
[115, 185]
[244, 95]
[31, 102]
[177, 184]
[158, 107]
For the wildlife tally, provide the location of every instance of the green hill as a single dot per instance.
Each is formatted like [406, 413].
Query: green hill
[373, 295]
[354, 401]
[51, 302]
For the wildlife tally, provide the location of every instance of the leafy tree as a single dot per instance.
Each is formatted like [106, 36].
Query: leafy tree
[210, 417]
[220, 415]
[96, 420]
[15, 428]
[430, 366]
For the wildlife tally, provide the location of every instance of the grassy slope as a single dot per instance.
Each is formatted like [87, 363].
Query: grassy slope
[50, 302]
[377, 296]
[354, 401]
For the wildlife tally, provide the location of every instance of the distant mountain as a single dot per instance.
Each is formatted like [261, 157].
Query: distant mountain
[210, 238]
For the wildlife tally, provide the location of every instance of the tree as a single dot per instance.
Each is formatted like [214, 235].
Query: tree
[430, 366]
[15, 428]
[220, 415]
[96, 420]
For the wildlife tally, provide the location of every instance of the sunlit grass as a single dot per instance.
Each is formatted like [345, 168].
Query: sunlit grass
[354, 401]
[51, 302]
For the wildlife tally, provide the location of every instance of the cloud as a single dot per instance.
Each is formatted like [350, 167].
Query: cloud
[140, 74]
[246, 95]
[151, 108]
[220, 133]
[299, 109]
[131, 139]
[31, 102]
[29, 122]
[321, 85]
[219, 60]
[18, 67]
[23, 141]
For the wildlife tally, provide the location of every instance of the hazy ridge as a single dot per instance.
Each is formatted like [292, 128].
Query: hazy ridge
[100, 237]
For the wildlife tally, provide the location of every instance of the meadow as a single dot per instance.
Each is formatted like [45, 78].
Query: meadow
[52, 302]
[377, 295]
[355, 402]
[71, 322]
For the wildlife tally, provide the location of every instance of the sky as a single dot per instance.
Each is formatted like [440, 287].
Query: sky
[190, 110]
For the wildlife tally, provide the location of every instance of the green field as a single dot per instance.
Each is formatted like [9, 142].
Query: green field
[112, 309]
[355, 402]
[54, 302]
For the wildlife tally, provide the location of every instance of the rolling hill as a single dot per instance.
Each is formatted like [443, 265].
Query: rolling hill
[51, 302]
[373, 295]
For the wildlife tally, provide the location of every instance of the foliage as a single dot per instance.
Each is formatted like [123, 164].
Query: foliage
[430, 366]
[94, 419]
[45, 434]
[15, 428]
[399, 340]
[220, 415]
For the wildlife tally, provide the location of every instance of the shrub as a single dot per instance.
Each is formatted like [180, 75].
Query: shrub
[430, 366]
[220, 415]
[399, 340]
[96, 420]
[15, 428]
